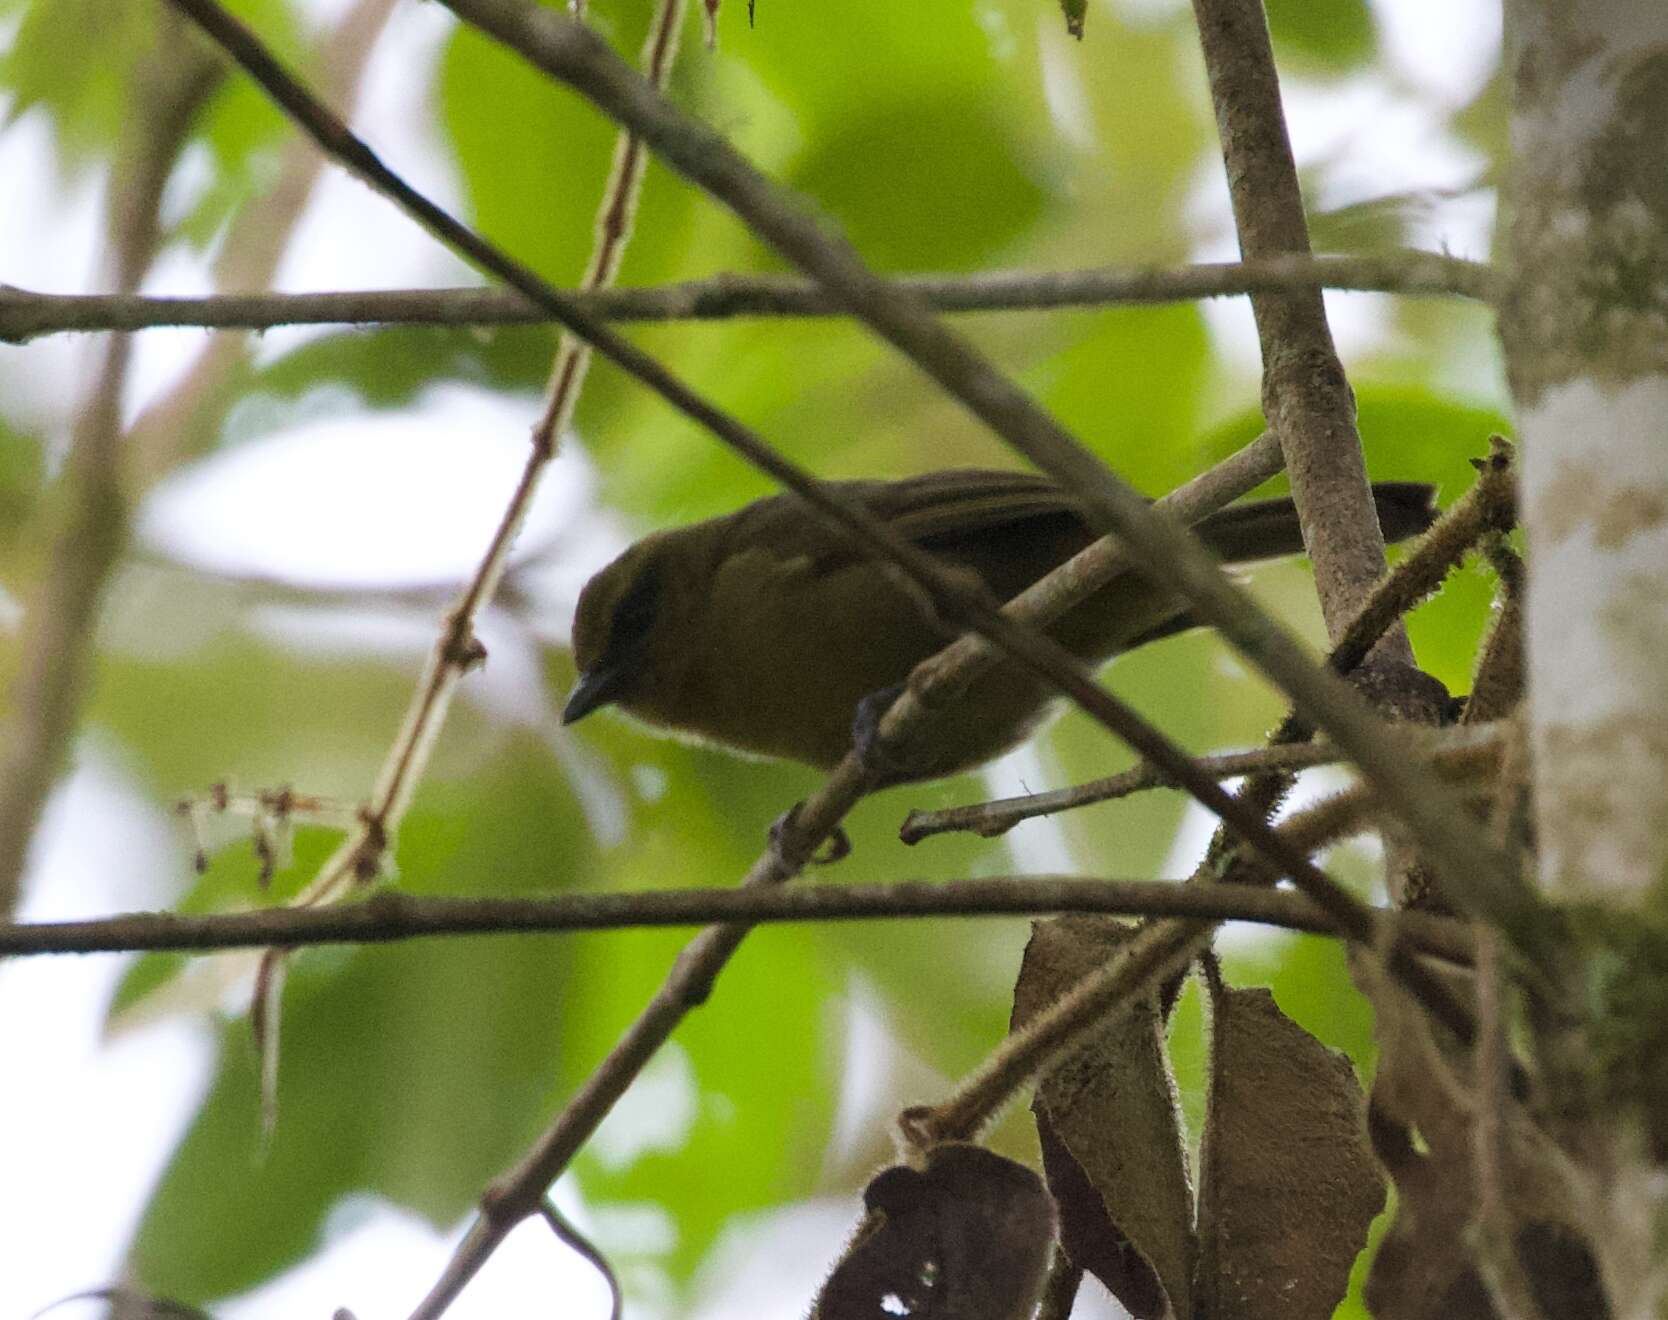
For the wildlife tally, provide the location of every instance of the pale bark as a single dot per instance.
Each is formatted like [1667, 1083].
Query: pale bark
[1584, 322]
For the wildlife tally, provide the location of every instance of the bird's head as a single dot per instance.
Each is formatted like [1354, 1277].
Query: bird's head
[622, 630]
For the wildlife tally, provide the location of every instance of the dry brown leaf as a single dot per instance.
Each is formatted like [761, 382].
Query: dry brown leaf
[968, 1237]
[1112, 1140]
[1288, 1184]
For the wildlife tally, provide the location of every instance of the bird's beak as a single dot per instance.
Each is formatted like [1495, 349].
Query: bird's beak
[596, 687]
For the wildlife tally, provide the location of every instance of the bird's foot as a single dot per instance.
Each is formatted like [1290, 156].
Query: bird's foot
[835, 847]
[882, 765]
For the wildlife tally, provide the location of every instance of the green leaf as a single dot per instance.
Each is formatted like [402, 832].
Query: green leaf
[763, 1052]
[1334, 35]
[76, 59]
[869, 177]
[806, 58]
[534, 158]
[230, 883]
[389, 367]
[251, 715]
[1147, 133]
[1130, 383]
[22, 483]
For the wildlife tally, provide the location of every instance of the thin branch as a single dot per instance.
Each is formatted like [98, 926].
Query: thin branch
[1496, 1221]
[571, 1237]
[1154, 953]
[941, 678]
[26, 314]
[1306, 396]
[992, 819]
[388, 916]
[457, 650]
[1488, 508]
[59, 622]
[1474, 871]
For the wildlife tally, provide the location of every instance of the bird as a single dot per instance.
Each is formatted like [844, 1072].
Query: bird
[767, 630]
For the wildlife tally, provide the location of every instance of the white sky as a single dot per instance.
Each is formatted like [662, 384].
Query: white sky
[120, 1106]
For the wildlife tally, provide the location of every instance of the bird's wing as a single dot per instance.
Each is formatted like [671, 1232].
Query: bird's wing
[928, 510]
[960, 501]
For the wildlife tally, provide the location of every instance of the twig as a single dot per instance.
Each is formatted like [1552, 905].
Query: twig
[388, 916]
[1495, 1226]
[26, 314]
[457, 650]
[1154, 953]
[1489, 507]
[993, 819]
[1351, 810]
[941, 678]
[571, 1237]
[990, 820]
[58, 626]
[1306, 396]
[1475, 872]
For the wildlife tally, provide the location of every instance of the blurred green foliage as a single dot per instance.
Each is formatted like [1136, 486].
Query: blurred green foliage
[939, 136]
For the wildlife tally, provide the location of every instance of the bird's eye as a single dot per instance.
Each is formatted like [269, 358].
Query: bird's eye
[634, 613]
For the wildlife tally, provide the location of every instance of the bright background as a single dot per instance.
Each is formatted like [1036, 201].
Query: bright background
[282, 588]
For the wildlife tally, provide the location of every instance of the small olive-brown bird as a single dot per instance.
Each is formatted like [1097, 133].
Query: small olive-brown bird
[765, 629]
